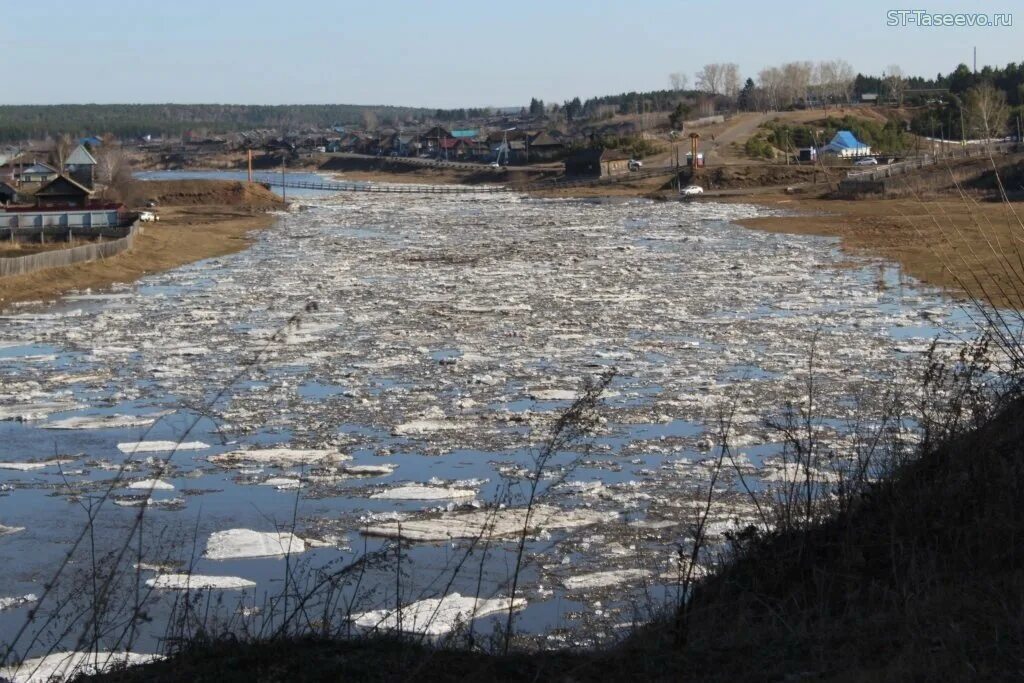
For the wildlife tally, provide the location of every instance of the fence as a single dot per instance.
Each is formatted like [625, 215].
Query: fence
[83, 218]
[21, 265]
[878, 174]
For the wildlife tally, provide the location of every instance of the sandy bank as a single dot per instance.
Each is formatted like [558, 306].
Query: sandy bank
[198, 220]
[966, 247]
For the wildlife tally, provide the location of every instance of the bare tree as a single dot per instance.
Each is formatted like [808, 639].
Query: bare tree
[825, 81]
[369, 119]
[62, 148]
[796, 81]
[845, 79]
[113, 169]
[709, 79]
[895, 83]
[834, 81]
[731, 79]
[987, 111]
[679, 81]
[770, 80]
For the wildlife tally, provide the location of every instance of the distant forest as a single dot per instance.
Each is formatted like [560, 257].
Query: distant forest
[23, 122]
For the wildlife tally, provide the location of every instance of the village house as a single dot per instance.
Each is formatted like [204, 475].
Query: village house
[81, 167]
[845, 145]
[431, 140]
[546, 147]
[8, 195]
[62, 193]
[596, 162]
[36, 173]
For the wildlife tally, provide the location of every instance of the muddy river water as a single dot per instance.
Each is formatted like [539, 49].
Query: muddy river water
[378, 367]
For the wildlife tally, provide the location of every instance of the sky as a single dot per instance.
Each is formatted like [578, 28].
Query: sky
[446, 53]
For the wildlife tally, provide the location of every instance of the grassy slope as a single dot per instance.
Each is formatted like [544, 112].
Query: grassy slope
[920, 580]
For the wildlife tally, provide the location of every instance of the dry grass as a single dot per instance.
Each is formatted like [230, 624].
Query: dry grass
[183, 235]
[963, 247]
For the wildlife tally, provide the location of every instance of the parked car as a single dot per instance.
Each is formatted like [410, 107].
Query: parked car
[691, 190]
[866, 161]
[148, 217]
[635, 164]
[495, 164]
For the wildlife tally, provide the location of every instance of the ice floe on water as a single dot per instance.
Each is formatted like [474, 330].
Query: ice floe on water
[104, 421]
[368, 470]
[66, 666]
[447, 336]
[35, 411]
[35, 465]
[496, 523]
[238, 543]
[281, 457]
[160, 446]
[436, 616]
[417, 492]
[151, 485]
[198, 582]
[19, 601]
[605, 579]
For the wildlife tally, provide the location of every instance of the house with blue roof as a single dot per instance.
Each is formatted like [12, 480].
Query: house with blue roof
[846, 145]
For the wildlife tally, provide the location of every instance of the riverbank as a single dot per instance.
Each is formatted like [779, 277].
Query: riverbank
[965, 246]
[191, 228]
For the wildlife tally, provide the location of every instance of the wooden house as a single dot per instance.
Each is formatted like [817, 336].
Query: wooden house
[63, 192]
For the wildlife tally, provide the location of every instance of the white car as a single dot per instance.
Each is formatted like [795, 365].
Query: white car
[495, 164]
[635, 164]
[866, 161]
[691, 190]
[148, 217]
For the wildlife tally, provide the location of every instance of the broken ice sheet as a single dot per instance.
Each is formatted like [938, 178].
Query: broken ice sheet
[281, 457]
[239, 543]
[66, 666]
[105, 421]
[605, 579]
[436, 616]
[34, 465]
[419, 492]
[496, 523]
[160, 446]
[441, 325]
[19, 601]
[198, 582]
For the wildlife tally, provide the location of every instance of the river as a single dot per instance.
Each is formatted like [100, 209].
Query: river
[411, 356]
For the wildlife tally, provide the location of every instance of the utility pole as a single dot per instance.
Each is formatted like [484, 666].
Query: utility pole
[284, 188]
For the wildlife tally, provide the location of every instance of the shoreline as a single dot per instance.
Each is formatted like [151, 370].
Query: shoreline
[183, 235]
[959, 245]
[969, 249]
